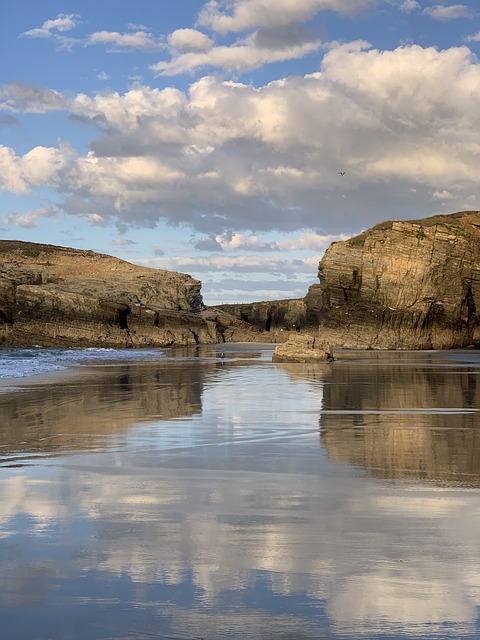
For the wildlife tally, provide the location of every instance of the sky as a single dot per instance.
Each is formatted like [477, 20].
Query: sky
[234, 140]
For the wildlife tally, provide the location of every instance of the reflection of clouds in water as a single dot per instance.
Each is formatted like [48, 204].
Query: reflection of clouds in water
[373, 554]
[365, 551]
[20, 495]
[403, 598]
[246, 393]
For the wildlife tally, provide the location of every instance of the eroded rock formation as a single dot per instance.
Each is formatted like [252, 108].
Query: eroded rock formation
[402, 285]
[55, 296]
[274, 317]
[303, 348]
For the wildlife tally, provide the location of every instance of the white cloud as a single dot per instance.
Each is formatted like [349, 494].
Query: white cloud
[63, 22]
[474, 38]
[409, 6]
[447, 12]
[122, 242]
[30, 99]
[225, 16]
[102, 75]
[39, 167]
[133, 40]
[241, 241]
[190, 40]
[230, 156]
[95, 219]
[309, 242]
[244, 55]
[240, 263]
[303, 242]
[29, 220]
[442, 195]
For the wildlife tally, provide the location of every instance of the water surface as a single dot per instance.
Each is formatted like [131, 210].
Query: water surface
[210, 493]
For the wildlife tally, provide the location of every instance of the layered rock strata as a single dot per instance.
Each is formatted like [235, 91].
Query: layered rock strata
[56, 296]
[401, 285]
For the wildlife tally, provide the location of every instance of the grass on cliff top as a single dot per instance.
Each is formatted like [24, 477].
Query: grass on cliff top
[33, 249]
[453, 221]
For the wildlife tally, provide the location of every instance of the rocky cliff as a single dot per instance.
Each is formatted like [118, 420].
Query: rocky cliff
[273, 317]
[56, 296]
[401, 285]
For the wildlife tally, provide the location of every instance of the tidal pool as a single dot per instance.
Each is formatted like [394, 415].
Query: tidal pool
[214, 494]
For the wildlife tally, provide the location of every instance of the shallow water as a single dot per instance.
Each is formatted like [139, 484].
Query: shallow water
[213, 494]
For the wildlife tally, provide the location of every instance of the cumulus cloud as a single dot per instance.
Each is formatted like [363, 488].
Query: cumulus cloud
[190, 40]
[95, 219]
[132, 40]
[227, 156]
[208, 243]
[274, 264]
[138, 37]
[63, 22]
[243, 55]
[241, 242]
[41, 166]
[224, 16]
[447, 12]
[474, 38]
[442, 195]
[409, 6]
[235, 241]
[29, 220]
[26, 98]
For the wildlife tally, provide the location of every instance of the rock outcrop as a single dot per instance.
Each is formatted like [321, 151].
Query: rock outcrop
[401, 285]
[303, 348]
[275, 318]
[56, 296]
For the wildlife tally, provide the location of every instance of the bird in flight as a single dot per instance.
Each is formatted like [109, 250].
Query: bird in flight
[341, 173]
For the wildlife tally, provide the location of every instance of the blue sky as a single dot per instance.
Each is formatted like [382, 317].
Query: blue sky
[208, 137]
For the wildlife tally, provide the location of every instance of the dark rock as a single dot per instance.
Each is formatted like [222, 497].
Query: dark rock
[275, 318]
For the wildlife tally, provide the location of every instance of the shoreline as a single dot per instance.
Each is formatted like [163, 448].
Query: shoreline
[80, 370]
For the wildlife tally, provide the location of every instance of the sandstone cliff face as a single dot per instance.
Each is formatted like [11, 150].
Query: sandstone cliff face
[401, 285]
[54, 296]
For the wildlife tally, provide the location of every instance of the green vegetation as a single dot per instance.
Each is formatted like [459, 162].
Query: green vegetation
[358, 241]
[31, 253]
[420, 233]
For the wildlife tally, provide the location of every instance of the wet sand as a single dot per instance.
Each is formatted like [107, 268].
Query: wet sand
[215, 495]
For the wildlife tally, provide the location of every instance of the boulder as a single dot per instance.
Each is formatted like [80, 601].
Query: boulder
[303, 347]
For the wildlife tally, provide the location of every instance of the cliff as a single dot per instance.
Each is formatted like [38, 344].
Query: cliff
[401, 285]
[56, 296]
[274, 317]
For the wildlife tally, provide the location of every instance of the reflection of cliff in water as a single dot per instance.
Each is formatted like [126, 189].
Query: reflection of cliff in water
[404, 420]
[80, 411]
